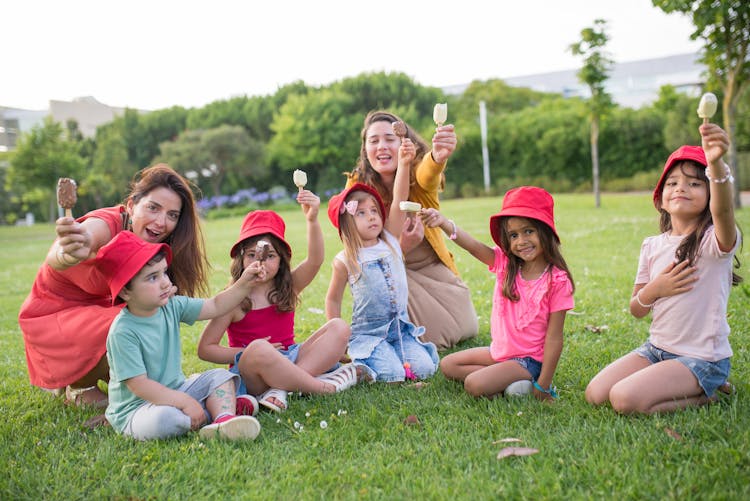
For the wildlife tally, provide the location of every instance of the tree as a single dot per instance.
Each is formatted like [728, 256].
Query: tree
[594, 73]
[42, 156]
[214, 154]
[724, 26]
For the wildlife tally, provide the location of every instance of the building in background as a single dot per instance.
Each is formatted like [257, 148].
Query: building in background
[86, 111]
[632, 84]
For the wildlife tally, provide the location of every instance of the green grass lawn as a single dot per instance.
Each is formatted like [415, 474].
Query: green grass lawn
[366, 451]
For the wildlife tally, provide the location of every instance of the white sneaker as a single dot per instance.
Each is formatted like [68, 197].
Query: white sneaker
[519, 388]
[231, 428]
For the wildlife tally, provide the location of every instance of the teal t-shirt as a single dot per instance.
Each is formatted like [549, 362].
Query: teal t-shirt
[146, 345]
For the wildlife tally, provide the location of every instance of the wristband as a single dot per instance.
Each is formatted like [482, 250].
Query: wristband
[727, 176]
[638, 300]
[552, 391]
[452, 236]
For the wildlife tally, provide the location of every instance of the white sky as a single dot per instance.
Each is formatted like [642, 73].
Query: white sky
[153, 54]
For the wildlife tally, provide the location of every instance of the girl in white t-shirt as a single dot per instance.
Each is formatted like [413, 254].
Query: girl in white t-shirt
[684, 276]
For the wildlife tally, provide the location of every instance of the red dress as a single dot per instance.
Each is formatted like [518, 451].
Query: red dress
[66, 316]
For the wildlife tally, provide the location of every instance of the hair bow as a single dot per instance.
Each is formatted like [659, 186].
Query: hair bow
[350, 207]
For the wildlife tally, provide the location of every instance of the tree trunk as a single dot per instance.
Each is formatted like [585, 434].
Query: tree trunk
[595, 158]
[729, 108]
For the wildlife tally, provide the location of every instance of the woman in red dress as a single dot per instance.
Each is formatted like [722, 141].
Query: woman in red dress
[67, 314]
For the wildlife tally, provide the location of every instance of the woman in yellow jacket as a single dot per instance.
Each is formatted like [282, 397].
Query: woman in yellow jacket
[438, 298]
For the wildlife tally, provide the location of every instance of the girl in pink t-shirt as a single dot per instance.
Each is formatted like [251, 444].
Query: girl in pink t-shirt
[684, 278]
[262, 347]
[533, 292]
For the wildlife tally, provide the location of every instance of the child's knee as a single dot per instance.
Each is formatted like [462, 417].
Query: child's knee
[595, 394]
[623, 400]
[474, 386]
[340, 329]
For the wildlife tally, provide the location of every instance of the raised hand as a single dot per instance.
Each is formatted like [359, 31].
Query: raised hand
[310, 203]
[443, 143]
[715, 141]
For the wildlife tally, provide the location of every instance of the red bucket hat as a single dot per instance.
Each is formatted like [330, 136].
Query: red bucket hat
[123, 257]
[694, 153]
[260, 222]
[336, 203]
[526, 201]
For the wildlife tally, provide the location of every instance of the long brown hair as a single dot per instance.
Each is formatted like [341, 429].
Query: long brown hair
[189, 267]
[363, 172]
[689, 246]
[550, 251]
[282, 294]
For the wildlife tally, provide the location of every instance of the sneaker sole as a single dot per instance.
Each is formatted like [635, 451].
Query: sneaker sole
[238, 428]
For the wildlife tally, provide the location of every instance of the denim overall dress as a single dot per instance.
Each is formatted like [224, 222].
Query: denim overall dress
[383, 338]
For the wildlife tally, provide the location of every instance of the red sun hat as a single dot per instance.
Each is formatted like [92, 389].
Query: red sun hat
[525, 201]
[260, 222]
[123, 257]
[337, 201]
[685, 152]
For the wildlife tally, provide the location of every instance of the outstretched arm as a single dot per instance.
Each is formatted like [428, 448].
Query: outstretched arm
[305, 272]
[433, 218]
[395, 220]
[715, 144]
[231, 297]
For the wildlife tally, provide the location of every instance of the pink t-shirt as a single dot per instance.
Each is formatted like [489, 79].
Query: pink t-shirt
[520, 328]
[694, 323]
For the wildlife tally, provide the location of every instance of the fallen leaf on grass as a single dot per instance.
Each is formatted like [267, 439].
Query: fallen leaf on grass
[506, 440]
[672, 433]
[516, 451]
[418, 385]
[596, 329]
[412, 420]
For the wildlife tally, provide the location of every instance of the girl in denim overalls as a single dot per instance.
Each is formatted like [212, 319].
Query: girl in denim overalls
[383, 339]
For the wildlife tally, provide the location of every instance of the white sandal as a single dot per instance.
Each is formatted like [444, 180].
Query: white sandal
[342, 378]
[278, 395]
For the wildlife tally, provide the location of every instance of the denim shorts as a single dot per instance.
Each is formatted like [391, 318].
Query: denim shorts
[710, 375]
[291, 353]
[533, 366]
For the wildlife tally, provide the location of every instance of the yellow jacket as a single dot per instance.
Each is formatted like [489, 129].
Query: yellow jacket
[425, 192]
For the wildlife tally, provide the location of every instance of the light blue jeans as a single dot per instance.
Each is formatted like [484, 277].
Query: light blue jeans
[150, 421]
[385, 363]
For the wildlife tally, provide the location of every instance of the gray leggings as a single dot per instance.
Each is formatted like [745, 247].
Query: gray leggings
[152, 421]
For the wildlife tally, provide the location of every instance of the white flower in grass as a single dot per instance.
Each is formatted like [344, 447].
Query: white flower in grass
[307, 414]
[341, 412]
[323, 425]
[278, 420]
[297, 426]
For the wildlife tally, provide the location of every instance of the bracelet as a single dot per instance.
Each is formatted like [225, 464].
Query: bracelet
[452, 236]
[552, 391]
[727, 176]
[638, 299]
[60, 256]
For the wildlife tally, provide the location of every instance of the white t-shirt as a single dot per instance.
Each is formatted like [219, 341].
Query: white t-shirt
[693, 323]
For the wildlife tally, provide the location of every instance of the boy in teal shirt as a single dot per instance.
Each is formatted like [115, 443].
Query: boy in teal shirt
[149, 396]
